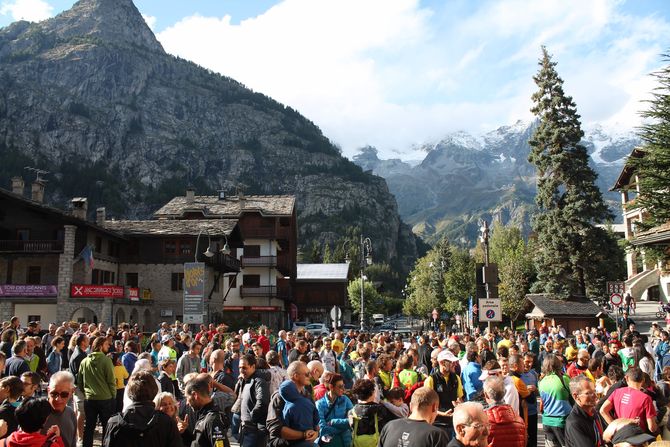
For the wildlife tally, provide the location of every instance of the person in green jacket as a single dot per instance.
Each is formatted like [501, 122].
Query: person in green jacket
[96, 379]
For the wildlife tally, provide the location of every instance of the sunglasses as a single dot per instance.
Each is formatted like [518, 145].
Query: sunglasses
[62, 394]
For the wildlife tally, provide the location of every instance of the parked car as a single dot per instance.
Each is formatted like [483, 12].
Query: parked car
[299, 325]
[317, 329]
[348, 327]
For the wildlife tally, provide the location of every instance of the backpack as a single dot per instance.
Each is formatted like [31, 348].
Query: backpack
[365, 440]
[127, 434]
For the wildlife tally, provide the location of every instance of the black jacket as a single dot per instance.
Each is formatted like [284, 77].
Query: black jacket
[210, 427]
[157, 428]
[365, 413]
[255, 409]
[7, 413]
[75, 360]
[580, 429]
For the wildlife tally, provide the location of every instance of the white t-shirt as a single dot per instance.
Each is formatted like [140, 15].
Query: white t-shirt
[511, 394]
[328, 359]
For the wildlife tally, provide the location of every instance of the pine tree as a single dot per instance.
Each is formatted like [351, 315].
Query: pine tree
[569, 203]
[653, 168]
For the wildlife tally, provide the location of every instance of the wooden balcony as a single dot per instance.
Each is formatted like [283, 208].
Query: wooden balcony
[282, 292]
[259, 261]
[14, 246]
[221, 263]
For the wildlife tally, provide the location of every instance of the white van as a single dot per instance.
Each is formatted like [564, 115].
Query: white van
[378, 319]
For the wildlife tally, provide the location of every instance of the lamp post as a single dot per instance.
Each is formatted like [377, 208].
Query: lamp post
[209, 253]
[484, 238]
[366, 259]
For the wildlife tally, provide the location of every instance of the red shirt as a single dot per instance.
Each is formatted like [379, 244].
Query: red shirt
[264, 342]
[631, 403]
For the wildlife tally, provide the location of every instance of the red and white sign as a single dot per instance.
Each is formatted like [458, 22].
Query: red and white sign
[233, 308]
[133, 294]
[95, 291]
[616, 299]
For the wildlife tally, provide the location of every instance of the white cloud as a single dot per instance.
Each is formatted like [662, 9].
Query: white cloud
[151, 20]
[390, 73]
[31, 10]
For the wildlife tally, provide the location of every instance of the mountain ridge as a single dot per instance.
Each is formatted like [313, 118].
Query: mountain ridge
[464, 177]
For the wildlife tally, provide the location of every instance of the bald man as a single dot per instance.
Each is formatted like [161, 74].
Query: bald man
[417, 430]
[471, 425]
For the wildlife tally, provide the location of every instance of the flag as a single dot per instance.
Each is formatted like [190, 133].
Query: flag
[87, 255]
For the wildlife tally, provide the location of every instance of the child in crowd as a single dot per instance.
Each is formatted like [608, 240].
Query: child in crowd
[395, 402]
[120, 376]
[31, 416]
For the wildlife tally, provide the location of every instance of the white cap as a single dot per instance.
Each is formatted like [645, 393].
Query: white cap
[446, 355]
[485, 373]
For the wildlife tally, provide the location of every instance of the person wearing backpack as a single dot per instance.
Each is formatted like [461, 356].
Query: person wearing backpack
[447, 385]
[211, 426]
[367, 417]
[141, 424]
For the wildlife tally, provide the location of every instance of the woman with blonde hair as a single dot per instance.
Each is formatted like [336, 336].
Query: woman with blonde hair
[166, 403]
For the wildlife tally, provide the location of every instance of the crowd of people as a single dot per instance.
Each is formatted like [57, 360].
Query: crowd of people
[198, 386]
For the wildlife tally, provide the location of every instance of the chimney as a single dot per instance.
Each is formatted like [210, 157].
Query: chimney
[100, 216]
[190, 195]
[37, 191]
[79, 207]
[18, 186]
[240, 197]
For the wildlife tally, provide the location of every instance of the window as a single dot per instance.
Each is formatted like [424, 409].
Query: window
[185, 248]
[22, 234]
[132, 279]
[34, 318]
[232, 281]
[252, 250]
[98, 244]
[113, 248]
[170, 247]
[96, 276]
[34, 275]
[251, 280]
[178, 281]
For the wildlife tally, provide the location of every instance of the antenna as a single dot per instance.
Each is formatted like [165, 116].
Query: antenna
[38, 173]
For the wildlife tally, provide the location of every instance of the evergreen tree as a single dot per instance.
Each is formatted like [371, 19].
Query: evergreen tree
[459, 280]
[327, 255]
[568, 200]
[653, 168]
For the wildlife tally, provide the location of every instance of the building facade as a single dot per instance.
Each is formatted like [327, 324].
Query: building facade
[647, 280]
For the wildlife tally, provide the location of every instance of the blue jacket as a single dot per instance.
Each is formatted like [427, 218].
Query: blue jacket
[54, 362]
[337, 424]
[128, 360]
[299, 412]
[470, 378]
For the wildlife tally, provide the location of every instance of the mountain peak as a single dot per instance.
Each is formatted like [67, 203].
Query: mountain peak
[113, 21]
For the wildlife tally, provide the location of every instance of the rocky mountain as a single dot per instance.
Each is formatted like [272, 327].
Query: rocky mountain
[91, 96]
[464, 177]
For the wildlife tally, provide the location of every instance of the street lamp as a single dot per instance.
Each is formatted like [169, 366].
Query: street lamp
[366, 259]
[226, 248]
[209, 253]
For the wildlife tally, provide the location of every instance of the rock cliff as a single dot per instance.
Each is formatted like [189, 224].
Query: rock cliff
[91, 96]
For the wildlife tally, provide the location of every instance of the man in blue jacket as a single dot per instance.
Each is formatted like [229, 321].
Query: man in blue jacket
[470, 375]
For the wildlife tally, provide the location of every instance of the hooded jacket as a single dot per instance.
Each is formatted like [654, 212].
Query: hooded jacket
[365, 413]
[255, 399]
[96, 377]
[506, 428]
[35, 439]
[157, 428]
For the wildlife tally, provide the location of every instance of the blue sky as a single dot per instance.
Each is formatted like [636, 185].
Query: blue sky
[398, 73]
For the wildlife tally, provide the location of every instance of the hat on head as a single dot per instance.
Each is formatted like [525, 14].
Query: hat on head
[487, 373]
[166, 338]
[632, 434]
[446, 355]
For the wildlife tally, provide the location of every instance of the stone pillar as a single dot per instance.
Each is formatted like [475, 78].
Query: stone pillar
[106, 314]
[65, 273]
[7, 310]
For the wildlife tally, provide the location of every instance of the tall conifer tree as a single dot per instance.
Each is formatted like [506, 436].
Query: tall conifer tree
[569, 202]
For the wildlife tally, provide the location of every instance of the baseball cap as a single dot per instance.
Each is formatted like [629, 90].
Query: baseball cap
[486, 373]
[166, 338]
[446, 355]
[632, 434]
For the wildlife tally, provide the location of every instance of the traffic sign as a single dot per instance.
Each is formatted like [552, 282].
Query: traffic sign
[490, 310]
[616, 299]
[335, 313]
[616, 287]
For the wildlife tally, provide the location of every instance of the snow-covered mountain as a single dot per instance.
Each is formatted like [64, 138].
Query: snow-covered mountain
[464, 177]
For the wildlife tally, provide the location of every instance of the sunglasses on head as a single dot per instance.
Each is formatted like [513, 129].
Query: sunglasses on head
[62, 394]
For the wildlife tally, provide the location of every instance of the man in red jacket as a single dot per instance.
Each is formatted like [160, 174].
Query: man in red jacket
[506, 428]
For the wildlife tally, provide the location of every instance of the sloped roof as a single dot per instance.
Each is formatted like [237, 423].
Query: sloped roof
[323, 272]
[627, 170]
[165, 227]
[658, 234]
[551, 306]
[232, 206]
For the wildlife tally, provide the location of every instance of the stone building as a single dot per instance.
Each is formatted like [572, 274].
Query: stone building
[42, 276]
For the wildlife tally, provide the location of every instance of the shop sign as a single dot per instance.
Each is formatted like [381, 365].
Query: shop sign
[133, 294]
[95, 291]
[146, 294]
[32, 290]
[194, 292]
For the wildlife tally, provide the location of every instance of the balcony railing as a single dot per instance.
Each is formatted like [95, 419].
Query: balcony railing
[258, 291]
[222, 263]
[31, 246]
[259, 261]
[282, 292]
